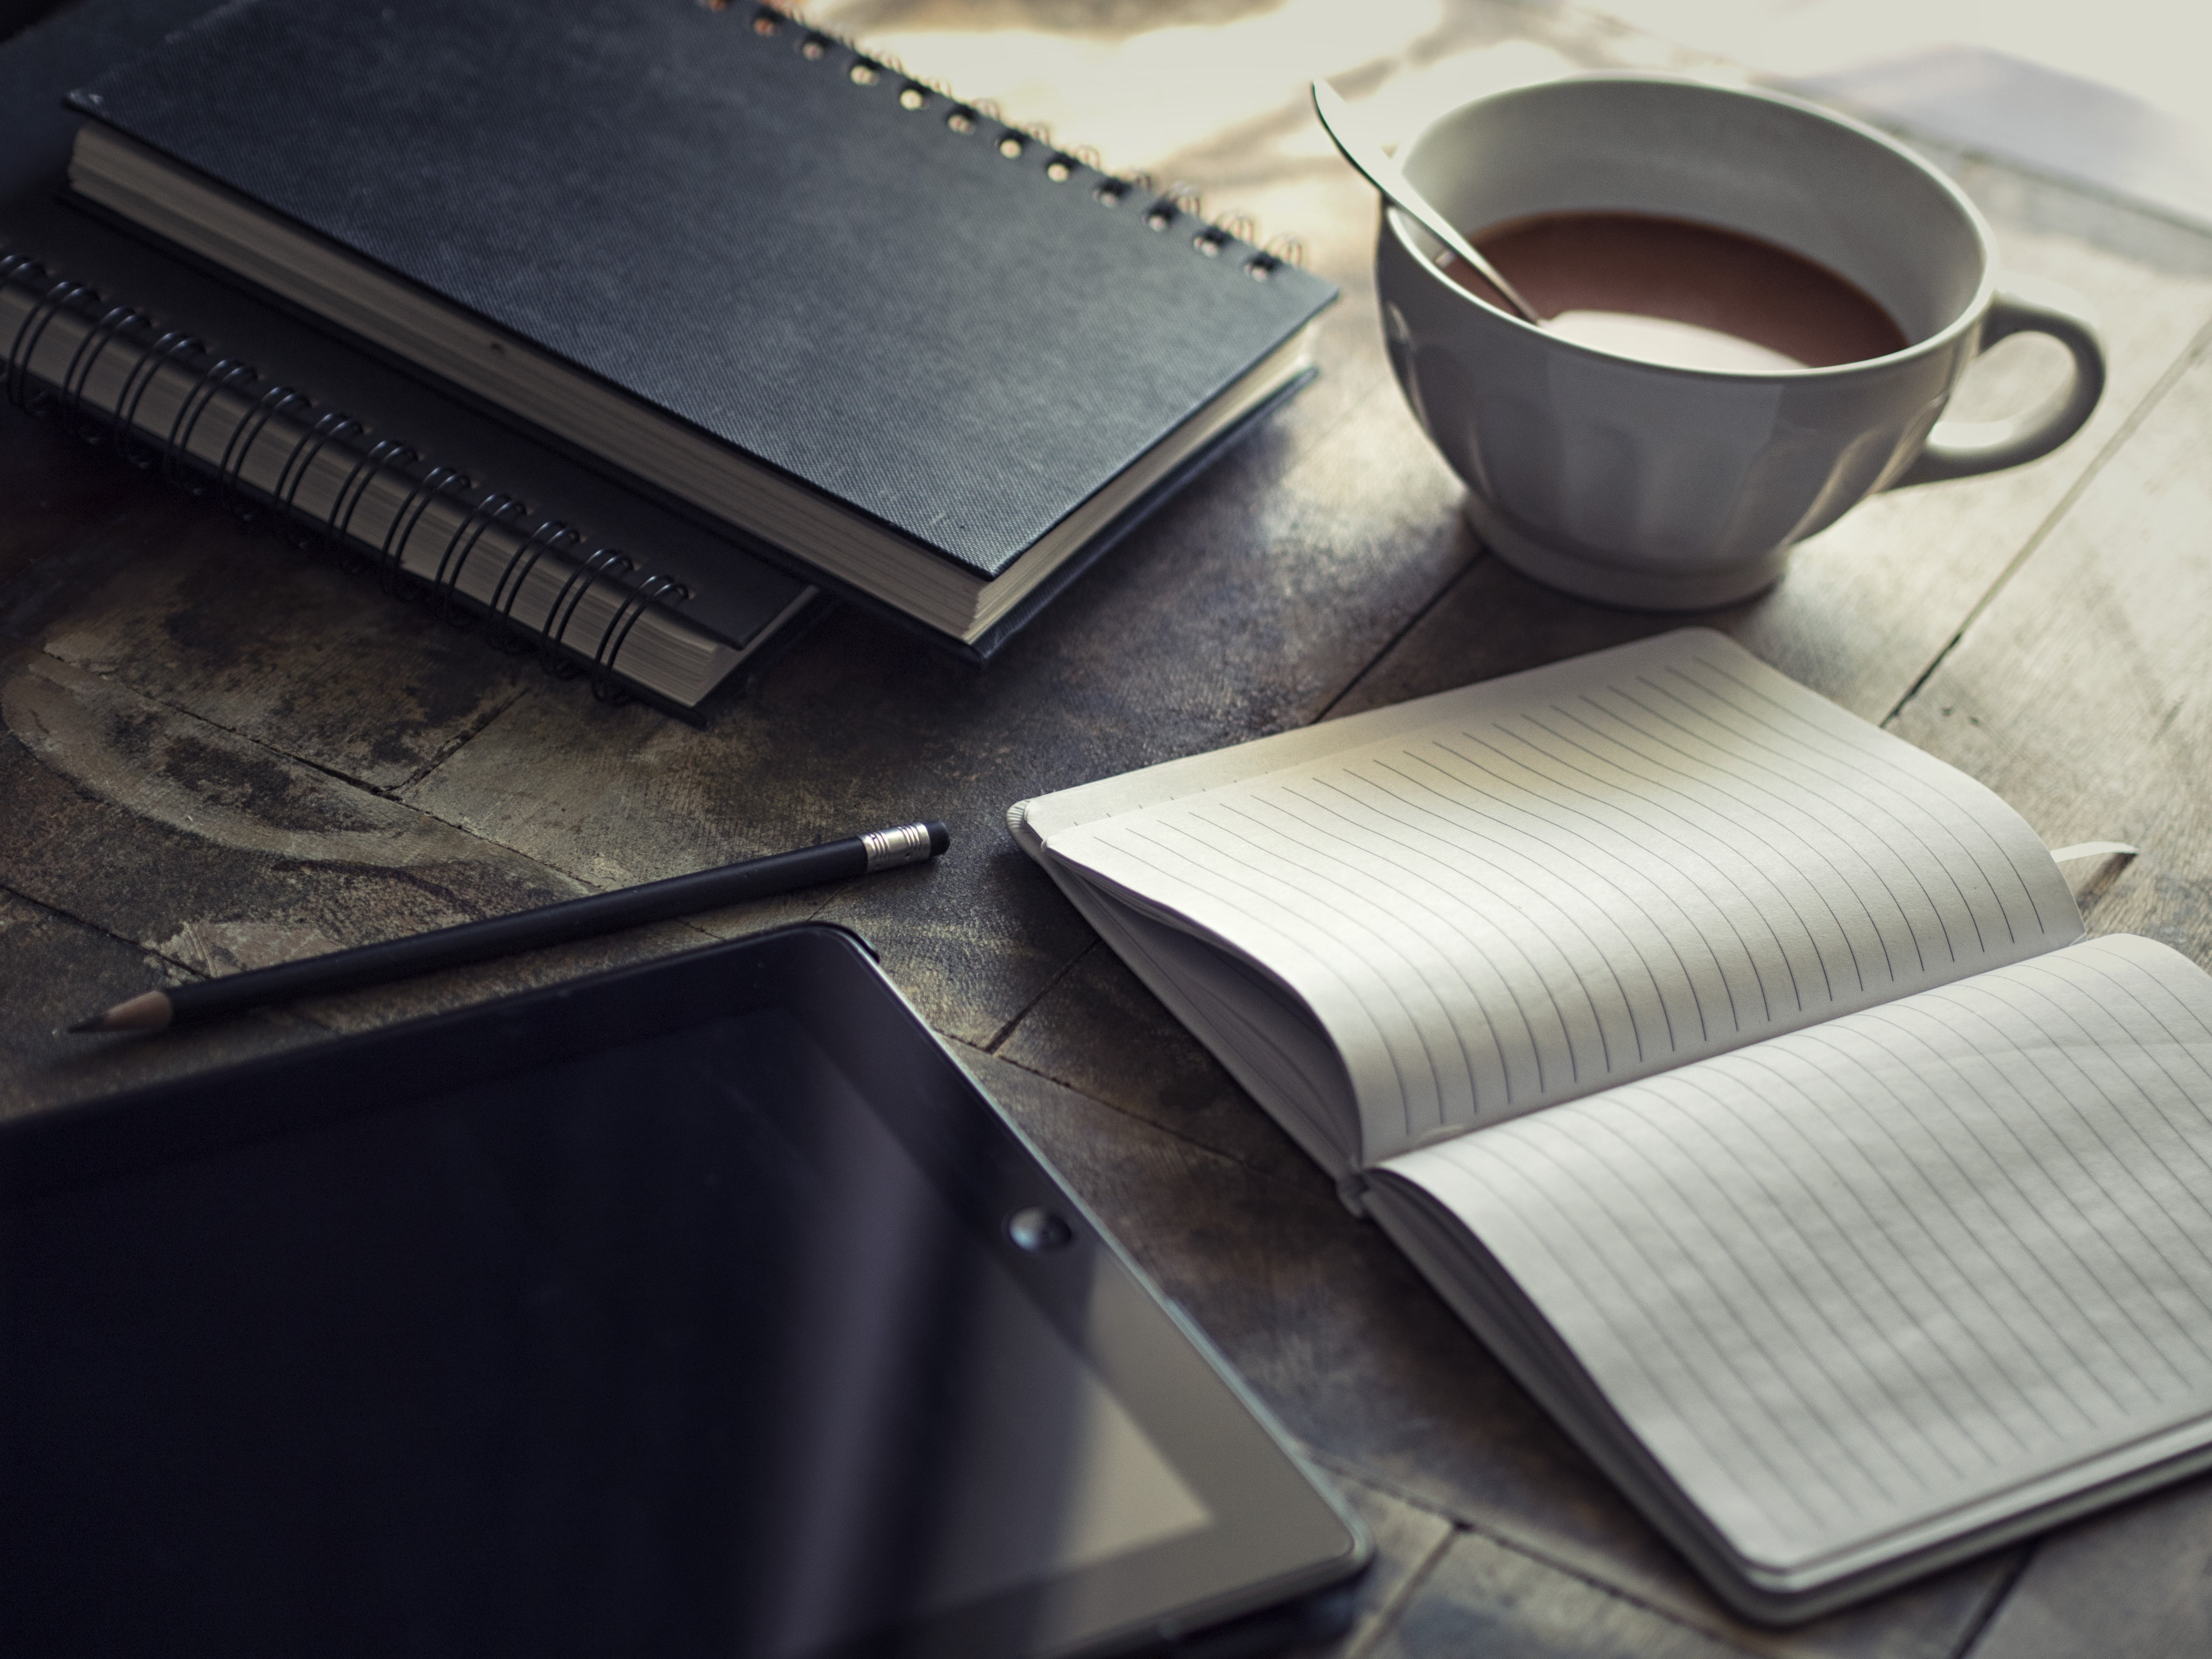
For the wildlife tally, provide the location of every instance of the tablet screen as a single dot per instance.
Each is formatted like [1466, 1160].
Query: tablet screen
[669, 1346]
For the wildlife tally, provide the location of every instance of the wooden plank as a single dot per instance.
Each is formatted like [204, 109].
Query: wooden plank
[125, 576]
[2078, 695]
[2137, 1582]
[1355, 1355]
[1408, 1539]
[210, 850]
[58, 970]
[146, 845]
[1102, 1034]
[283, 646]
[1488, 1597]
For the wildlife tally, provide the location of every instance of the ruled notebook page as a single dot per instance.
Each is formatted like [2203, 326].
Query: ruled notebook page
[1569, 877]
[1935, 1260]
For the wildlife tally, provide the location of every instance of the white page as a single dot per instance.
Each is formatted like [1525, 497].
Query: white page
[1569, 878]
[1903, 1270]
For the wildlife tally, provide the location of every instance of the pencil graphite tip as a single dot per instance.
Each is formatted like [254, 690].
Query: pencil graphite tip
[148, 1011]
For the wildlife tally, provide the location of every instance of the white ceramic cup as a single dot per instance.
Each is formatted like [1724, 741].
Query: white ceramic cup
[1661, 488]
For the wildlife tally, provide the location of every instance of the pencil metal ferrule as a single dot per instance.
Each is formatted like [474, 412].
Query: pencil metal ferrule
[887, 849]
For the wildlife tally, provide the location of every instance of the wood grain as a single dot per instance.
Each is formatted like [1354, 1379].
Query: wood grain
[285, 647]
[57, 970]
[104, 566]
[196, 850]
[1487, 1597]
[221, 751]
[1099, 1031]
[1408, 1540]
[2079, 694]
[2137, 1581]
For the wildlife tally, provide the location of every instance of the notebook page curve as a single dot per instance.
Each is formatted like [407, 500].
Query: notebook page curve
[1385, 1025]
[1589, 873]
[1886, 1279]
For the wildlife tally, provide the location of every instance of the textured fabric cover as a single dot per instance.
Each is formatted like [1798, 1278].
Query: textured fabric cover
[886, 309]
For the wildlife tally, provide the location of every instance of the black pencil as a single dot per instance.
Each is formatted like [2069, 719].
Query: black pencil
[526, 930]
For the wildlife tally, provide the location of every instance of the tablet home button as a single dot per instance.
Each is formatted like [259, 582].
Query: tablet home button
[1038, 1230]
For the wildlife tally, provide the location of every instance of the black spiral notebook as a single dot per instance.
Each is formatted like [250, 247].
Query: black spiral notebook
[926, 354]
[132, 347]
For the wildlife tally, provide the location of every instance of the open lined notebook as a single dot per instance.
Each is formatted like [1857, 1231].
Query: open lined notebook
[1740, 1073]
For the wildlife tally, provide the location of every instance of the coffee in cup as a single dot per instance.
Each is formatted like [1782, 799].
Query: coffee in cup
[1675, 291]
[1755, 312]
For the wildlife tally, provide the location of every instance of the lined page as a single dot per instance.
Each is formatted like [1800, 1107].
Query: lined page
[1893, 1268]
[1588, 873]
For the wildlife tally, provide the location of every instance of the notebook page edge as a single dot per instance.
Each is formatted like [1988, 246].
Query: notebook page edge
[1423, 1227]
[1106, 915]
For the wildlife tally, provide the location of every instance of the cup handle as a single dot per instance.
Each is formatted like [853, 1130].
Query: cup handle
[1960, 449]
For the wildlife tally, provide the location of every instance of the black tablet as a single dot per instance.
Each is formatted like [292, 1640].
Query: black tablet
[704, 1307]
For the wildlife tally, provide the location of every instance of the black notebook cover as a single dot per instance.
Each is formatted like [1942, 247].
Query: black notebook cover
[891, 311]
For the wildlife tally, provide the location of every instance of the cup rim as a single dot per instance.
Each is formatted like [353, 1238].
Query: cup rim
[1942, 340]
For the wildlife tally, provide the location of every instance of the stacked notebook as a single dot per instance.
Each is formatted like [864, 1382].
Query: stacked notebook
[916, 354]
[132, 345]
[1740, 1073]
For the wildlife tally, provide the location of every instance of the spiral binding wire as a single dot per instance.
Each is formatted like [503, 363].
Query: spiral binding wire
[113, 329]
[439, 480]
[607, 561]
[173, 344]
[649, 589]
[87, 353]
[222, 374]
[1179, 206]
[497, 507]
[28, 333]
[334, 425]
[550, 537]
[277, 400]
[384, 452]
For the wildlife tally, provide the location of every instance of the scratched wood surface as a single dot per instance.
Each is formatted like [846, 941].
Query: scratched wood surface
[221, 752]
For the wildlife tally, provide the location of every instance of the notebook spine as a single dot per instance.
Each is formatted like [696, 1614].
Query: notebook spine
[1177, 210]
[210, 424]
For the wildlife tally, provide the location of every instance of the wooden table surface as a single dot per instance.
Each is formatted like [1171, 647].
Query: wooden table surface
[222, 752]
